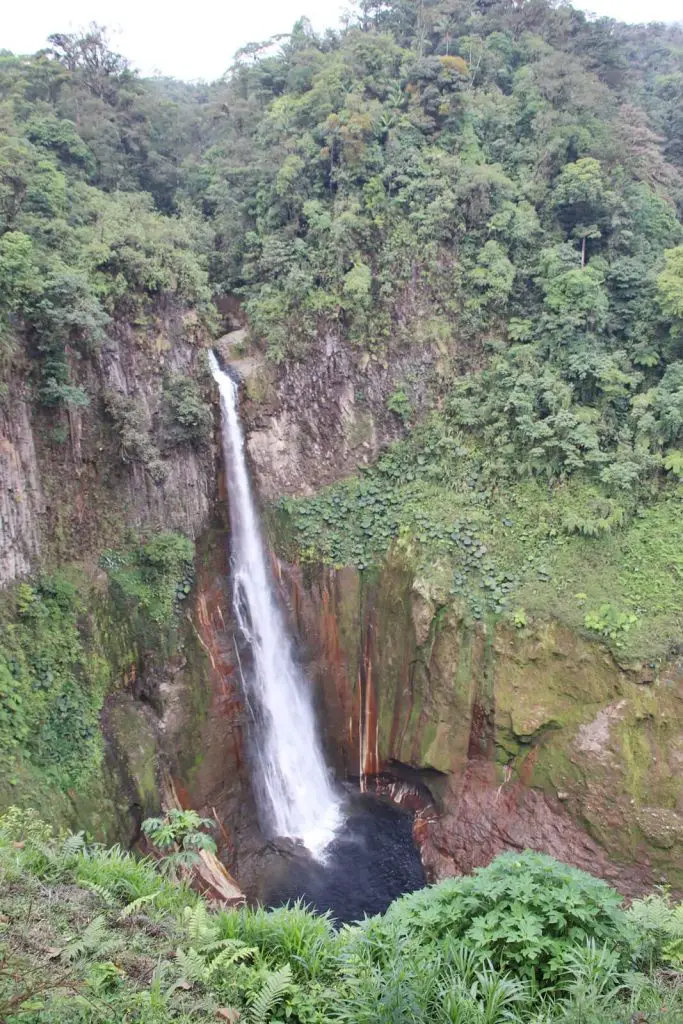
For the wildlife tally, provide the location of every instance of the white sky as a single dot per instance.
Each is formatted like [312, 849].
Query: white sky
[196, 40]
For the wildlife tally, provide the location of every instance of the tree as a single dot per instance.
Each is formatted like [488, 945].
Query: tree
[582, 201]
[670, 289]
[90, 55]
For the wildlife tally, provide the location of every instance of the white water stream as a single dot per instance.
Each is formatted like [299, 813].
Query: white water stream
[293, 784]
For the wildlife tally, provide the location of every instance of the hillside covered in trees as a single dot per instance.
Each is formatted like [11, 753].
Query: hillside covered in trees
[451, 232]
[504, 176]
[501, 181]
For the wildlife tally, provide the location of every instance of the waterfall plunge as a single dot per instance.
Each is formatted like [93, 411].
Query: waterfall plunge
[293, 784]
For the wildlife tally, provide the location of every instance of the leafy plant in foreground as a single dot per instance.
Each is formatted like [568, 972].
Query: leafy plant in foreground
[179, 835]
[522, 913]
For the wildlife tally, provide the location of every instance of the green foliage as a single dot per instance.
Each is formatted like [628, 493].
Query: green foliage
[610, 622]
[436, 170]
[670, 288]
[519, 618]
[153, 578]
[178, 827]
[67, 946]
[19, 825]
[61, 644]
[494, 547]
[673, 461]
[135, 443]
[51, 685]
[657, 931]
[276, 985]
[87, 164]
[179, 835]
[399, 403]
[188, 414]
[521, 913]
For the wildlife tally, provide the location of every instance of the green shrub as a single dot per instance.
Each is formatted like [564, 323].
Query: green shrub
[291, 933]
[610, 622]
[179, 835]
[19, 825]
[399, 403]
[153, 577]
[134, 438]
[188, 416]
[522, 913]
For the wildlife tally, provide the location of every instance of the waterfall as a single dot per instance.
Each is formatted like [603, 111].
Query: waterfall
[293, 787]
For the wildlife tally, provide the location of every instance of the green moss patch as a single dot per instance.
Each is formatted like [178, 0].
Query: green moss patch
[64, 645]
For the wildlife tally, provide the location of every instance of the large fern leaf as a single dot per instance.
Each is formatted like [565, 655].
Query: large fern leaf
[95, 939]
[105, 894]
[192, 968]
[134, 906]
[274, 988]
[201, 929]
[231, 954]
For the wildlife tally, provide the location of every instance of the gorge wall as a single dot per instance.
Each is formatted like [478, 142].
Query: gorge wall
[81, 489]
[501, 736]
[505, 736]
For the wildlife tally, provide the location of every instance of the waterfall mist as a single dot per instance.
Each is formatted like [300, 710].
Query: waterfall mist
[295, 794]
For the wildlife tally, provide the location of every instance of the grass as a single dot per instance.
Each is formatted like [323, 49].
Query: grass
[99, 936]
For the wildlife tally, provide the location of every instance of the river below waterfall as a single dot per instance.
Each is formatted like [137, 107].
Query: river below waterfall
[370, 862]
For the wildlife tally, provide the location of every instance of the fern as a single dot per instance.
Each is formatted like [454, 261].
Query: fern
[276, 985]
[231, 954]
[134, 906]
[193, 970]
[73, 843]
[202, 931]
[105, 894]
[658, 930]
[94, 940]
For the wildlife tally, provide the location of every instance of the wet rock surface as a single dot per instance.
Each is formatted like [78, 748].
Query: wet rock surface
[482, 818]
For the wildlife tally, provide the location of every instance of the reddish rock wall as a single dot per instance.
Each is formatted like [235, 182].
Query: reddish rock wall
[527, 737]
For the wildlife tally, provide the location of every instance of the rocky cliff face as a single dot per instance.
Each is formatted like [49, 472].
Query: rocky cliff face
[505, 738]
[179, 724]
[67, 491]
[76, 484]
[22, 505]
[312, 422]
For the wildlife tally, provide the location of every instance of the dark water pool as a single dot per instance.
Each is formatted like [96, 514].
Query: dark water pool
[371, 862]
